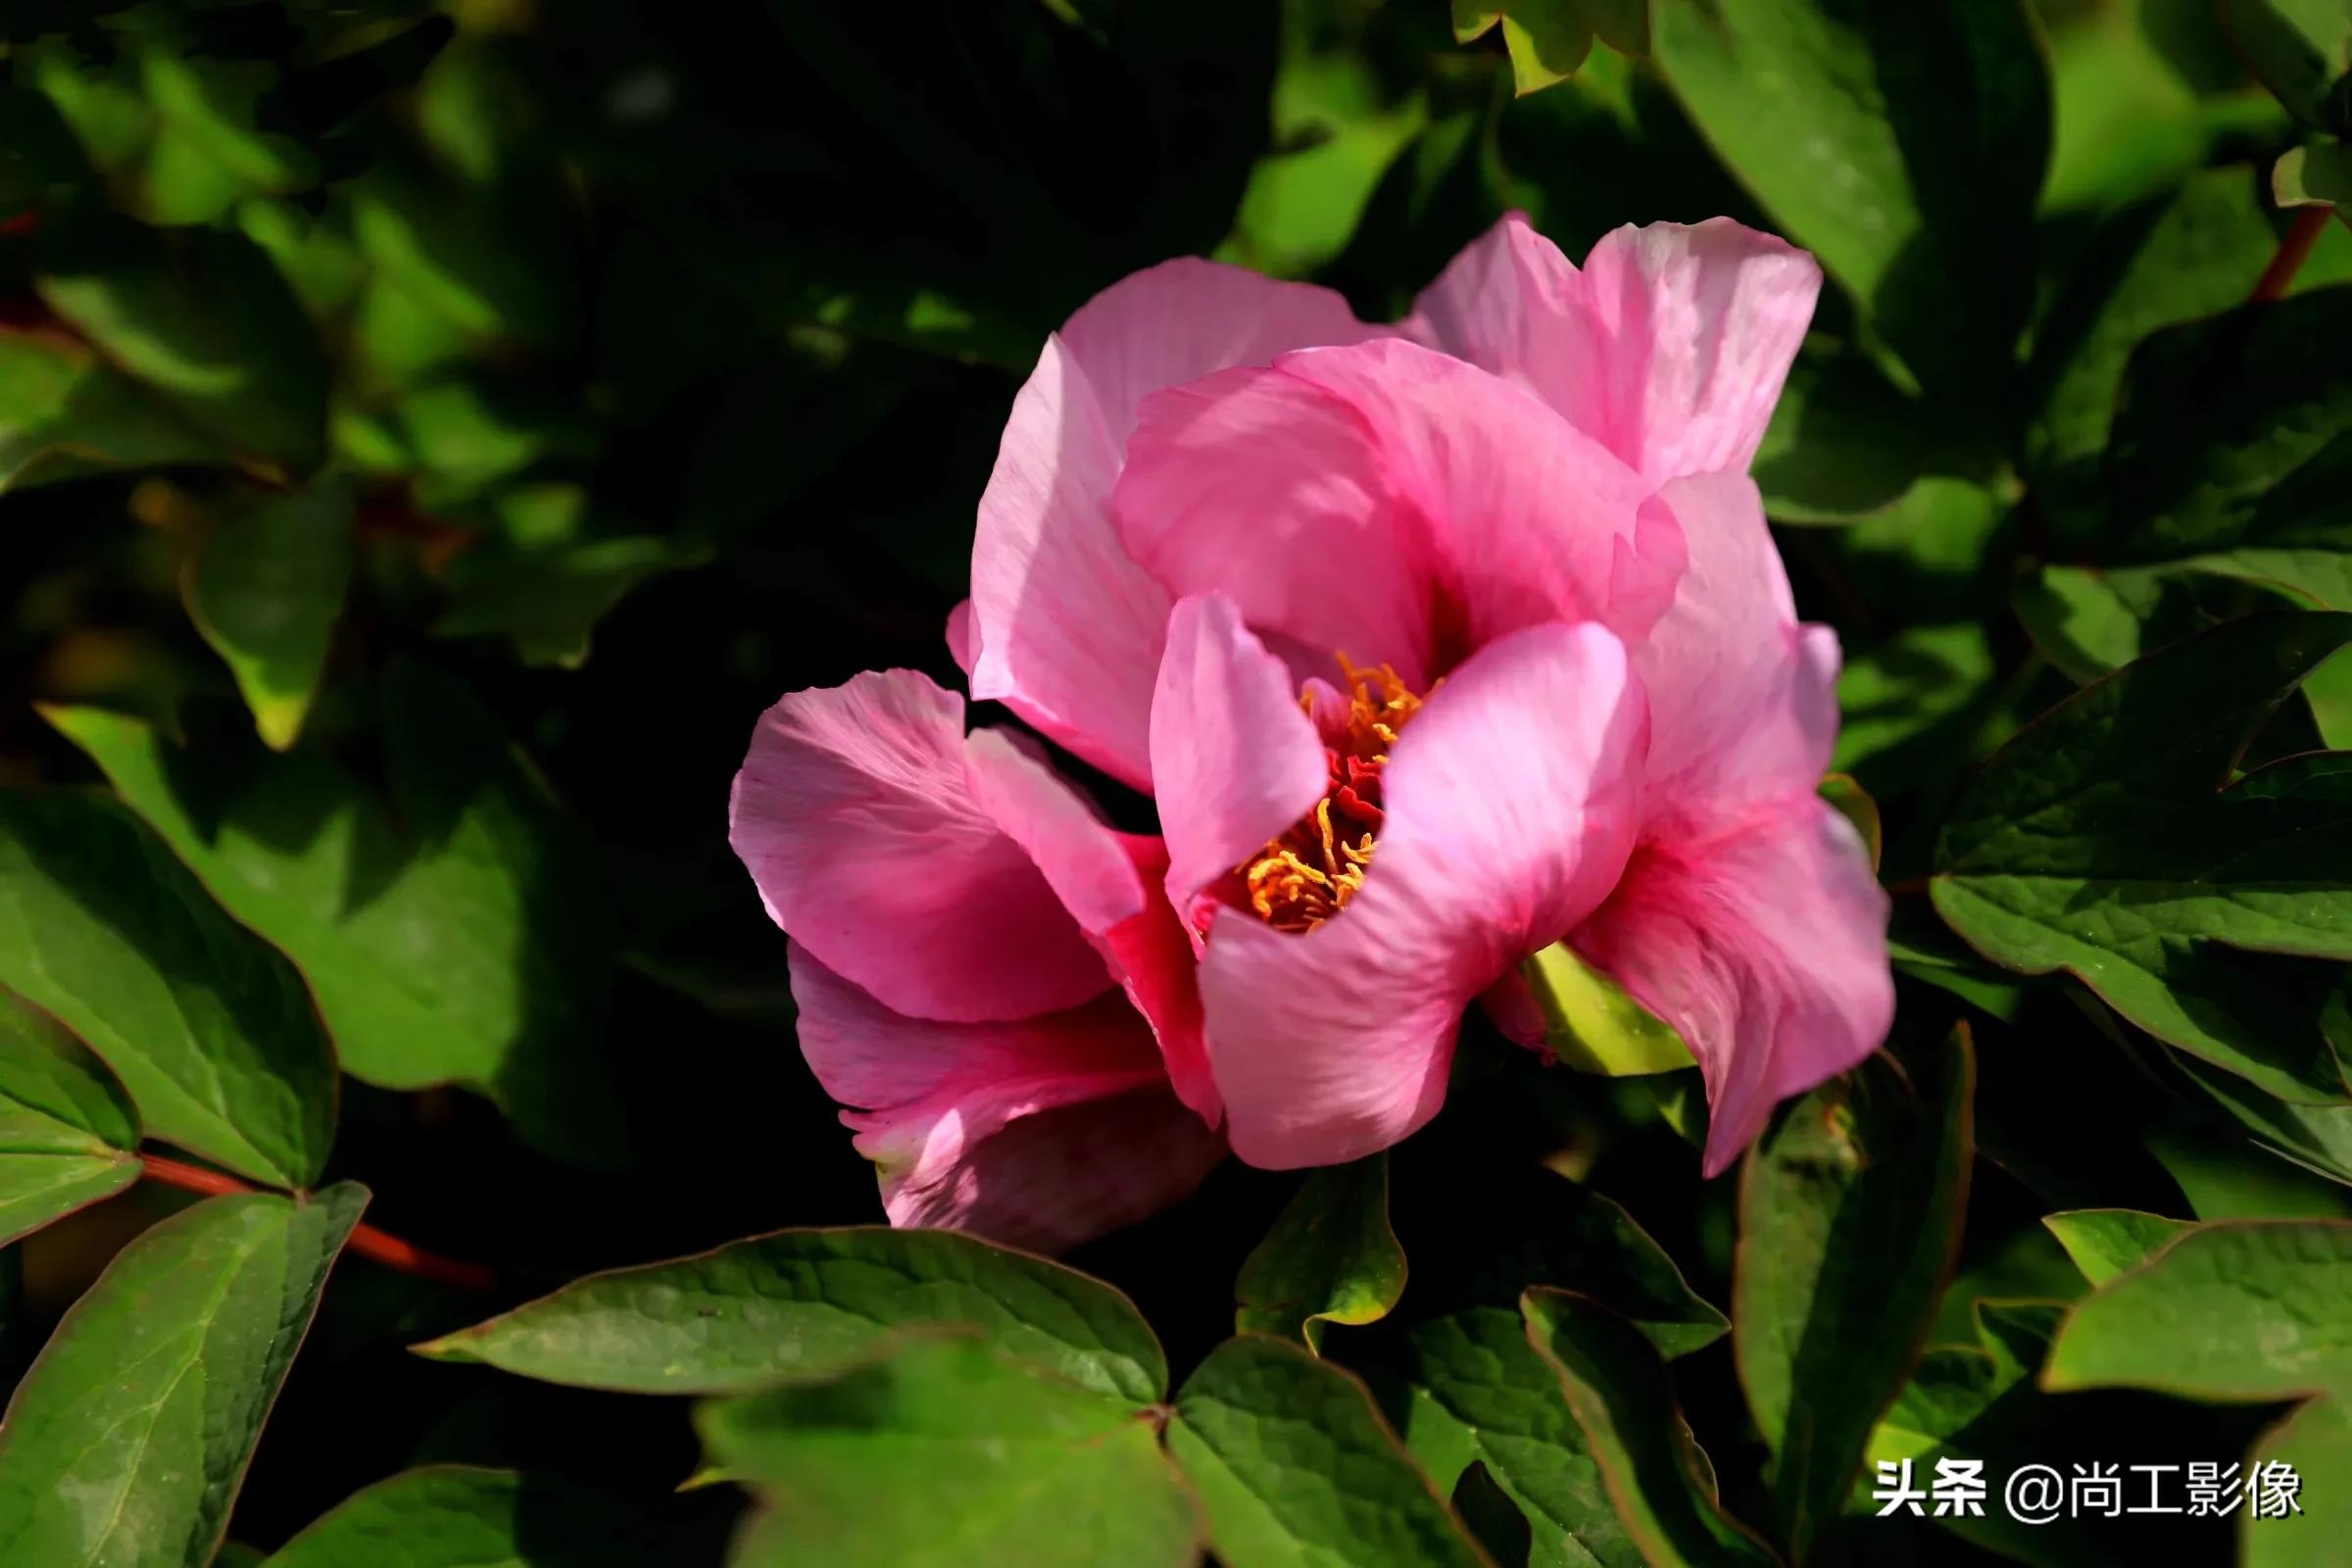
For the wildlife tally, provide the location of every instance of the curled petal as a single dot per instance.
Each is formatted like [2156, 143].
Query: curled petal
[1765, 947]
[1511, 806]
[1067, 627]
[1236, 759]
[1108, 882]
[1041, 1132]
[1670, 347]
[1742, 698]
[856, 816]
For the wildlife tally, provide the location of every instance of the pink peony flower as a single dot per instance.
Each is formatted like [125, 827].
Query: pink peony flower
[1433, 645]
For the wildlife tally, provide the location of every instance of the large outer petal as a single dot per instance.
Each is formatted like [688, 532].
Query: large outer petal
[856, 816]
[1749, 919]
[1744, 697]
[1670, 347]
[1108, 882]
[1067, 627]
[1236, 759]
[1042, 1133]
[1392, 503]
[1512, 800]
[1766, 947]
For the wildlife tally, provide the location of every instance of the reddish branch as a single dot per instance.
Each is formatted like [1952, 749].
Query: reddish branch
[2277, 277]
[366, 1240]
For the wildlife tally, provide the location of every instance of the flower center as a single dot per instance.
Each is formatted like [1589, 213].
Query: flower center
[1307, 875]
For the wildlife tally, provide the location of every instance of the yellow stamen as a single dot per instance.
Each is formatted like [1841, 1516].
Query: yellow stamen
[1307, 875]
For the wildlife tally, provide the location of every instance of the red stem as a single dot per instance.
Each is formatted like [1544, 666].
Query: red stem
[2277, 277]
[366, 1240]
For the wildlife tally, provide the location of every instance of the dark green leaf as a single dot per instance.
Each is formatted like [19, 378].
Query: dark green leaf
[2317, 176]
[465, 873]
[548, 601]
[1849, 1225]
[2102, 840]
[2232, 455]
[54, 1099]
[210, 326]
[457, 1514]
[64, 412]
[128, 1440]
[806, 1303]
[1659, 1480]
[1294, 1467]
[1904, 145]
[2193, 251]
[2302, 51]
[2222, 1181]
[945, 1452]
[1492, 1519]
[265, 590]
[208, 1027]
[1331, 1257]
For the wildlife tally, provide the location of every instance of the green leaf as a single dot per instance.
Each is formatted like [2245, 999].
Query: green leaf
[1492, 1519]
[1296, 1468]
[265, 590]
[2221, 1182]
[1594, 1025]
[546, 601]
[207, 325]
[2107, 1242]
[1478, 1394]
[1548, 40]
[452, 924]
[1904, 145]
[1849, 1225]
[2316, 175]
[173, 126]
[2233, 451]
[46, 1070]
[1331, 1257]
[208, 1027]
[2302, 51]
[456, 1514]
[64, 412]
[945, 1452]
[2239, 1310]
[2193, 251]
[2314, 1441]
[807, 1303]
[2102, 840]
[1662, 1483]
[64, 1128]
[128, 1438]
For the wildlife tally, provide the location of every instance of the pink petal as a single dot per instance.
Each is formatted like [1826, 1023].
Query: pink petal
[1040, 1132]
[1670, 347]
[1389, 502]
[1108, 880]
[1235, 758]
[1052, 1180]
[1186, 319]
[1511, 807]
[1742, 699]
[854, 816]
[1069, 628]
[1765, 947]
[963, 638]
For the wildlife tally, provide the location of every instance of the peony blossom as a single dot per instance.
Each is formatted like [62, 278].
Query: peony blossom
[1432, 644]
